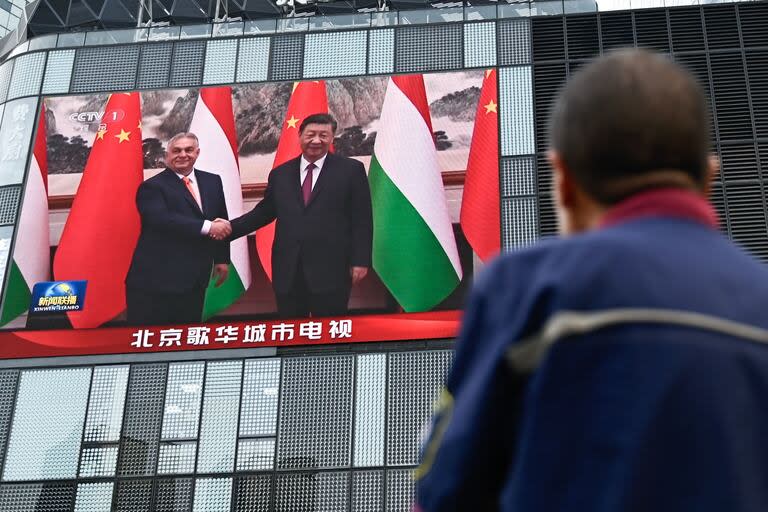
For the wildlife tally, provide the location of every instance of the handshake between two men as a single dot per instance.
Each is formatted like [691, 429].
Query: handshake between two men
[220, 229]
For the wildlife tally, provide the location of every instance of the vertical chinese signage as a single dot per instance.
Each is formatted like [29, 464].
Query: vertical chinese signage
[18, 122]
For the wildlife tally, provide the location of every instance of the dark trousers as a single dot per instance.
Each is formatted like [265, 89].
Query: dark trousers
[145, 308]
[299, 301]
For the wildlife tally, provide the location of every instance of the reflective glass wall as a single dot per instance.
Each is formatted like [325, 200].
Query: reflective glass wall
[298, 433]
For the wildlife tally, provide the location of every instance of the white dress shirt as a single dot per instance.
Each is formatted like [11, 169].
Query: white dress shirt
[193, 182]
[315, 172]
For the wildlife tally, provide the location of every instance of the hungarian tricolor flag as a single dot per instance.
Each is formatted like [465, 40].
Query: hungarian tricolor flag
[480, 216]
[103, 225]
[214, 124]
[306, 99]
[414, 249]
[31, 255]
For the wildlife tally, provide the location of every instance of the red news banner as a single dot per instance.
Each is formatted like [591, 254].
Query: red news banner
[248, 334]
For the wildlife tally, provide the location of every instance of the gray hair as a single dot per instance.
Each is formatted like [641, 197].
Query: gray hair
[183, 135]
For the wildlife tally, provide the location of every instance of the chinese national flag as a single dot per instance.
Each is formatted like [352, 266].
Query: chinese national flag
[307, 98]
[103, 225]
[480, 216]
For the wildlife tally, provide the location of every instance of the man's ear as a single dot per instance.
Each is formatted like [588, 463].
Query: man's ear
[563, 186]
[713, 172]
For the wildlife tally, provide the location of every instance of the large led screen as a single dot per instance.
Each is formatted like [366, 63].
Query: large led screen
[390, 225]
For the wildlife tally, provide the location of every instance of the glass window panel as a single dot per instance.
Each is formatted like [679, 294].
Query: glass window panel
[94, 497]
[381, 51]
[43, 42]
[71, 39]
[546, 8]
[414, 383]
[253, 59]
[173, 495]
[133, 496]
[261, 381]
[143, 419]
[220, 61]
[9, 204]
[27, 75]
[480, 44]
[518, 222]
[187, 67]
[518, 176]
[105, 68]
[15, 139]
[287, 56]
[218, 431]
[256, 454]
[195, 31]
[105, 411]
[47, 497]
[58, 71]
[47, 424]
[182, 400]
[367, 491]
[154, 65]
[480, 12]
[267, 26]
[427, 48]
[253, 493]
[320, 49]
[326, 492]
[516, 101]
[98, 462]
[176, 458]
[574, 6]
[101, 37]
[6, 69]
[164, 33]
[514, 42]
[369, 410]
[400, 489]
[213, 495]
[315, 413]
[229, 29]
[8, 381]
[339, 21]
[296, 24]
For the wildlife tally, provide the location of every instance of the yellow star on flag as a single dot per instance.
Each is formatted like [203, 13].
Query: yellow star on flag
[488, 72]
[139, 126]
[292, 122]
[490, 107]
[123, 136]
[100, 134]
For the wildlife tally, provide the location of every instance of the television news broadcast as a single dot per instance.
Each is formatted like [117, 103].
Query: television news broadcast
[427, 208]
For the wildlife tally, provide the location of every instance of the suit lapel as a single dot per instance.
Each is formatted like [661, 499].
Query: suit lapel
[202, 183]
[295, 178]
[186, 194]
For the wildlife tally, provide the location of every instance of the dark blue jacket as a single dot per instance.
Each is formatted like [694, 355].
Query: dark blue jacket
[621, 370]
[171, 255]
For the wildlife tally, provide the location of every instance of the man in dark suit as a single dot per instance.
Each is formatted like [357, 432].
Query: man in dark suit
[176, 251]
[324, 226]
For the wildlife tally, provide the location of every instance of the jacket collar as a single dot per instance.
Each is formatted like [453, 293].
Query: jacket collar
[663, 202]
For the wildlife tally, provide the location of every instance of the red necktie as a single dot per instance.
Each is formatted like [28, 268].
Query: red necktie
[306, 187]
[188, 183]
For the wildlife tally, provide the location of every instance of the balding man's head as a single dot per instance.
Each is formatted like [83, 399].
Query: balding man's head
[629, 121]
